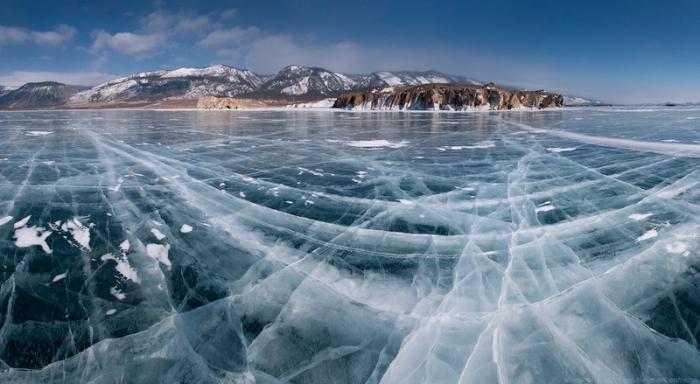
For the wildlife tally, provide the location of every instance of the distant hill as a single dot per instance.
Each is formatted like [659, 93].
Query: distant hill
[37, 95]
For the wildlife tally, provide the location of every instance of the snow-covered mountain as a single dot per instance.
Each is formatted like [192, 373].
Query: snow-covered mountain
[401, 78]
[296, 80]
[182, 83]
[37, 95]
[312, 81]
[3, 90]
[291, 82]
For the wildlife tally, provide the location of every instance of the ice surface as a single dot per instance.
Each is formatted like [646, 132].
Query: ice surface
[556, 246]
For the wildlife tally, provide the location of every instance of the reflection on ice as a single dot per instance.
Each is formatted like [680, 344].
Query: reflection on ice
[316, 247]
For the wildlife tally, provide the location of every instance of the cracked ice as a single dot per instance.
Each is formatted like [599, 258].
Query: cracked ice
[317, 247]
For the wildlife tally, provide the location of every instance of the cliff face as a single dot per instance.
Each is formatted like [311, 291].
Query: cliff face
[449, 97]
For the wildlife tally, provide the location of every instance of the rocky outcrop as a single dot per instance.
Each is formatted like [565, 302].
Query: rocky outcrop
[453, 97]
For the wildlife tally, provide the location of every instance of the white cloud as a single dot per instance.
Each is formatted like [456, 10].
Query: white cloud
[228, 13]
[167, 23]
[57, 37]
[157, 30]
[12, 35]
[127, 42]
[235, 35]
[18, 78]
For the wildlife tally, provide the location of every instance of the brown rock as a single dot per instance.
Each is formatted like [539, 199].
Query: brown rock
[449, 97]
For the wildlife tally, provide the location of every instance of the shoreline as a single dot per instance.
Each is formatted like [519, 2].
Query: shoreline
[311, 109]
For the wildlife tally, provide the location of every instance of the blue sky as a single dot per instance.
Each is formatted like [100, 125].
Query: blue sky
[621, 51]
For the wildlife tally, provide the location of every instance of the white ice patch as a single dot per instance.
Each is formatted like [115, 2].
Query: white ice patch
[561, 149]
[59, 277]
[377, 144]
[159, 252]
[117, 293]
[111, 312]
[639, 216]
[22, 222]
[5, 220]
[315, 173]
[650, 234]
[158, 234]
[544, 208]
[479, 145]
[80, 232]
[125, 246]
[678, 247]
[39, 133]
[123, 267]
[29, 236]
[185, 228]
[117, 187]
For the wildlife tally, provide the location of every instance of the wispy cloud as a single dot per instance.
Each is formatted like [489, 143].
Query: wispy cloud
[227, 14]
[128, 43]
[235, 35]
[59, 36]
[157, 31]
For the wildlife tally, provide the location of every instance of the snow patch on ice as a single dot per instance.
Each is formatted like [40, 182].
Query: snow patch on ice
[158, 234]
[650, 234]
[678, 247]
[123, 267]
[39, 133]
[80, 232]
[377, 144]
[117, 293]
[185, 228]
[22, 222]
[545, 208]
[59, 277]
[159, 252]
[639, 216]
[29, 236]
[561, 149]
[5, 220]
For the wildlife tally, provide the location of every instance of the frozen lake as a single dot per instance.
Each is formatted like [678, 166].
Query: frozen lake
[555, 246]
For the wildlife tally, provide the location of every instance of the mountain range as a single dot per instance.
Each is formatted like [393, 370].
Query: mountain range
[293, 83]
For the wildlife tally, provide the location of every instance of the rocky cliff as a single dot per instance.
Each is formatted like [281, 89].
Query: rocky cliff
[454, 97]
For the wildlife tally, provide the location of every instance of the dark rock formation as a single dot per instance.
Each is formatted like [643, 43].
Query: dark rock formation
[449, 97]
[37, 95]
